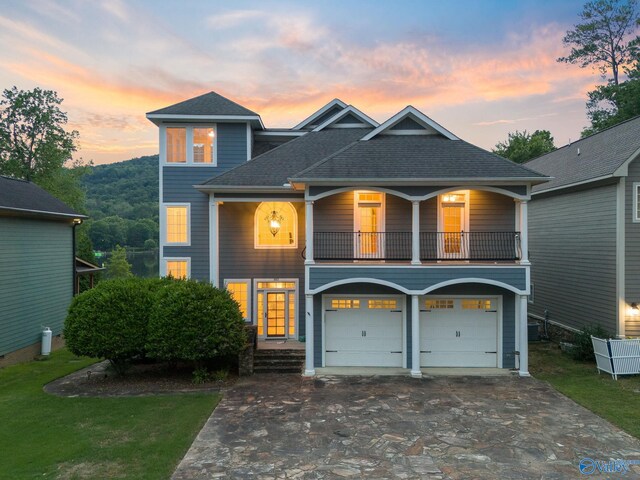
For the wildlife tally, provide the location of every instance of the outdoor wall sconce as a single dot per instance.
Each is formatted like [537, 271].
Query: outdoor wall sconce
[275, 221]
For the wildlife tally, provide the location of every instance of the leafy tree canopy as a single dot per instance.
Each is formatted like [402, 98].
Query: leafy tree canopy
[605, 38]
[609, 105]
[522, 146]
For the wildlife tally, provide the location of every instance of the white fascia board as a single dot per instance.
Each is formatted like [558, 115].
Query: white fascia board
[574, 184]
[623, 170]
[417, 181]
[159, 117]
[242, 188]
[343, 113]
[281, 133]
[418, 116]
[318, 113]
[44, 213]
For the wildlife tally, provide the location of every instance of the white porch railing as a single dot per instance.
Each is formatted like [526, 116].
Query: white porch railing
[617, 357]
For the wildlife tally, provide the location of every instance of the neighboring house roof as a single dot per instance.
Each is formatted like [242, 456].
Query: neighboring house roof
[604, 154]
[272, 169]
[210, 103]
[414, 157]
[23, 197]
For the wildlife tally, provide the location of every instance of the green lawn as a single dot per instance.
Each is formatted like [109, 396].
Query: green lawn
[44, 436]
[616, 401]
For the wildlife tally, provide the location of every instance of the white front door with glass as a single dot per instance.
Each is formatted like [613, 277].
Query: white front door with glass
[276, 309]
[369, 224]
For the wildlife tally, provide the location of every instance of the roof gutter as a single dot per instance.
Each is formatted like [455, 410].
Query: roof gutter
[43, 213]
[419, 181]
[244, 188]
[576, 184]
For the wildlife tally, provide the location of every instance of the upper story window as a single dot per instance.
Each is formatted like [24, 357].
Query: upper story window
[203, 140]
[191, 145]
[276, 225]
[177, 224]
[176, 145]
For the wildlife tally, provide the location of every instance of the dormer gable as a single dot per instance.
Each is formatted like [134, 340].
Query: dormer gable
[410, 121]
[320, 116]
[349, 117]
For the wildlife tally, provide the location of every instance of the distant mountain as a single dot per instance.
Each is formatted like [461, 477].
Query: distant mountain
[128, 189]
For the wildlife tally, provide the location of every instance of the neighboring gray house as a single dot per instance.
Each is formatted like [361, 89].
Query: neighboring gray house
[384, 245]
[36, 267]
[585, 233]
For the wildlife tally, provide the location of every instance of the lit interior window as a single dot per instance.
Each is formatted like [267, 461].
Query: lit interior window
[240, 293]
[276, 225]
[476, 304]
[203, 145]
[435, 304]
[386, 304]
[177, 225]
[176, 145]
[344, 303]
[287, 285]
[292, 314]
[177, 268]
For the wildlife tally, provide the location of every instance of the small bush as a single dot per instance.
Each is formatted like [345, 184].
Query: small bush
[201, 375]
[194, 321]
[110, 321]
[582, 346]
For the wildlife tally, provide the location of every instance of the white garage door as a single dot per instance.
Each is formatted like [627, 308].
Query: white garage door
[363, 331]
[459, 332]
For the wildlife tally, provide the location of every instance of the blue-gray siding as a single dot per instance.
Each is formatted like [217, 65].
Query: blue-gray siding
[36, 279]
[572, 246]
[508, 313]
[632, 247]
[418, 278]
[240, 259]
[177, 187]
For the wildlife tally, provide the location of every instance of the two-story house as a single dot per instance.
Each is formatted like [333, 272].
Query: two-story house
[384, 245]
[585, 239]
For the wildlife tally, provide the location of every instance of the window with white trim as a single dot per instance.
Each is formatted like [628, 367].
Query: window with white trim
[383, 304]
[438, 304]
[276, 225]
[176, 224]
[240, 291]
[177, 267]
[636, 201]
[176, 145]
[476, 304]
[191, 145]
[344, 303]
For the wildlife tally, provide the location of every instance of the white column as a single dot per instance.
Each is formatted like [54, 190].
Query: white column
[415, 337]
[308, 218]
[214, 270]
[415, 233]
[309, 369]
[521, 305]
[524, 233]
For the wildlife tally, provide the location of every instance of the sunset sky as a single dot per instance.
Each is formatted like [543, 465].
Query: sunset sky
[481, 68]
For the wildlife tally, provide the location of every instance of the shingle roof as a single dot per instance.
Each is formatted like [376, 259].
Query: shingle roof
[600, 155]
[414, 157]
[274, 167]
[208, 104]
[20, 195]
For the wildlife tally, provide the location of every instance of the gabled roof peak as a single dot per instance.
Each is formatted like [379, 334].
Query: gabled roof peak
[349, 117]
[333, 107]
[410, 121]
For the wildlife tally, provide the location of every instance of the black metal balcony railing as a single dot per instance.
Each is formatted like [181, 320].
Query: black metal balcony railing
[434, 246]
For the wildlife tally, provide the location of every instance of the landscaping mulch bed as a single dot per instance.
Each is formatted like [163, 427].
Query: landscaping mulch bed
[100, 380]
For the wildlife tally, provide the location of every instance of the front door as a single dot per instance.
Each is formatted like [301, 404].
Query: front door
[369, 225]
[453, 243]
[276, 313]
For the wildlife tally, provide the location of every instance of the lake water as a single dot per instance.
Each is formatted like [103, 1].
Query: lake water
[144, 263]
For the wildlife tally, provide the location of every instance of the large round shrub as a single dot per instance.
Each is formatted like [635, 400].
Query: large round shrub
[110, 321]
[194, 321]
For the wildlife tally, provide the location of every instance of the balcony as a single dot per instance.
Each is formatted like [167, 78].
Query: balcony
[434, 246]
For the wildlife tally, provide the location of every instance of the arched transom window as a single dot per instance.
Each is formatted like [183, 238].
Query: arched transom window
[276, 225]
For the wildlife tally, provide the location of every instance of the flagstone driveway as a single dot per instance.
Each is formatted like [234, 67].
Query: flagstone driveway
[285, 426]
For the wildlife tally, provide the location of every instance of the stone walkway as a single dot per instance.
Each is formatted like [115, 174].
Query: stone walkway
[285, 426]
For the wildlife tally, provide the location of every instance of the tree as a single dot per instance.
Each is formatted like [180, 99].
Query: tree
[609, 105]
[522, 146]
[118, 266]
[33, 142]
[605, 38]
